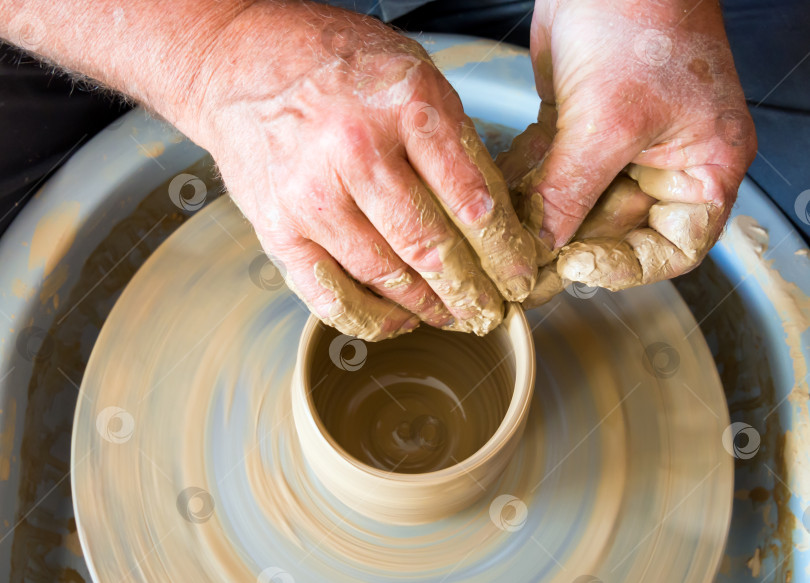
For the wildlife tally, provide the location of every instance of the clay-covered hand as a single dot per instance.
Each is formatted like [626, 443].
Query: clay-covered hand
[643, 108]
[351, 155]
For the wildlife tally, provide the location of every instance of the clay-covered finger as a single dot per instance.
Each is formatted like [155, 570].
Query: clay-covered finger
[521, 167]
[457, 168]
[338, 300]
[369, 259]
[549, 284]
[601, 261]
[678, 237]
[622, 208]
[529, 147]
[412, 222]
[667, 184]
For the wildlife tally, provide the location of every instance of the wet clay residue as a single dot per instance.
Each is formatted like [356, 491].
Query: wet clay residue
[735, 334]
[54, 234]
[42, 548]
[420, 403]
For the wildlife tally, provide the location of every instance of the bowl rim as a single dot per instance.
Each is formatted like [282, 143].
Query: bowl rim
[522, 343]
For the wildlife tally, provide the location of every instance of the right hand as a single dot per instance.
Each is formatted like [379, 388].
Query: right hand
[352, 157]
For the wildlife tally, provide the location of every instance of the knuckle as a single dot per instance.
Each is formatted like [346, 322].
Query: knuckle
[569, 207]
[380, 275]
[352, 136]
[466, 192]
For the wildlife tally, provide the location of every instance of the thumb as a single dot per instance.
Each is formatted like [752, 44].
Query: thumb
[580, 164]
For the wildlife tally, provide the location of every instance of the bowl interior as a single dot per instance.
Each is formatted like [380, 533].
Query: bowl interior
[416, 404]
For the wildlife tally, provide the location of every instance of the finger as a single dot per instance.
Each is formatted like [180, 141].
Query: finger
[456, 166]
[549, 284]
[336, 298]
[677, 169]
[677, 240]
[622, 208]
[521, 165]
[602, 262]
[370, 260]
[667, 184]
[693, 228]
[540, 50]
[582, 160]
[529, 147]
[412, 222]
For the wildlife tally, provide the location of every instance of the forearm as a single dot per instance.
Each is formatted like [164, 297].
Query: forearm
[159, 53]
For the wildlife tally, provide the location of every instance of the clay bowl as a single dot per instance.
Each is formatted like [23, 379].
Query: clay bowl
[413, 429]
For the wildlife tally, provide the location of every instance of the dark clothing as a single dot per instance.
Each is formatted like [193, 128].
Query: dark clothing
[44, 118]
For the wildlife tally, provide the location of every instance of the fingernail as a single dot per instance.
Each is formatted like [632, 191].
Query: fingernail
[518, 288]
[410, 324]
[548, 239]
[472, 212]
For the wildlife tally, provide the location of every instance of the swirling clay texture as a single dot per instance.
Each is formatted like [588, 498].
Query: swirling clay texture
[186, 465]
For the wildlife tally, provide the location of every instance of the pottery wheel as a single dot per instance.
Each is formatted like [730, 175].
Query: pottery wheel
[186, 465]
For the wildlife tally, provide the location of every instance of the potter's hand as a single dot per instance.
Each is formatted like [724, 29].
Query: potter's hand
[337, 137]
[646, 89]
[360, 173]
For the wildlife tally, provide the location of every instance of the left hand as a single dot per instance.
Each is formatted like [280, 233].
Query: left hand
[638, 87]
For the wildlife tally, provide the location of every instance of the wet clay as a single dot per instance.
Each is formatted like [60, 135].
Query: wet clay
[203, 365]
[419, 403]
